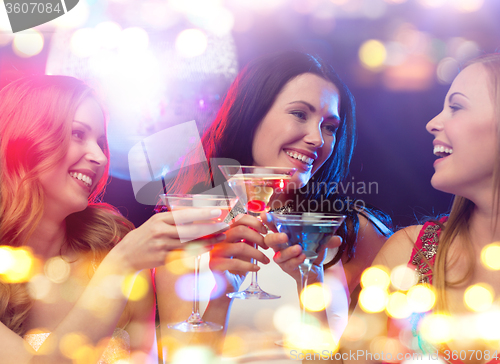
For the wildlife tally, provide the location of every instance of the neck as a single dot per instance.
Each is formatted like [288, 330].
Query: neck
[48, 238]
[484, 225]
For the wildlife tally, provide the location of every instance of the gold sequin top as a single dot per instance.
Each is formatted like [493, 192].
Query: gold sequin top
[118, 347]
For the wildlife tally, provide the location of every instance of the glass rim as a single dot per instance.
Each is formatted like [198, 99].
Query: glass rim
[221, 166]
[201, 196]
[300, 215]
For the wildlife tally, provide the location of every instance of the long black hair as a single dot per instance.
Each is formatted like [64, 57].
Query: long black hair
[229, 138]
[251, 96]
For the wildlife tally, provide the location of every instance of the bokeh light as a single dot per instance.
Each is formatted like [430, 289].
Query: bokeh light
[315, 297]
[372, 54]
[490, 256]
[136, 287]
[310, 338]
[28, 43]
[375, 276]
[421, 298]
[233, 346]
[437, 328]
[432, 3]
[191, 43]
[403, 277]
[385, 349]
[39, 287]
[468, 6]
[57, 269]
[184, 285]
[374, 9]
[71, 344]
[479, 297]
[85, 42]
[487, 324]
[447, 69]
[397, 306]
[75, 18]
[133, 40]
[109, 33]
[286, 317]
[373, 299]
[194, 354]
[18, 264]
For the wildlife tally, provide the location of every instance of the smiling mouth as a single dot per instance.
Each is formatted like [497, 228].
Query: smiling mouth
[82, 177]
[300, 157]
[441, 151]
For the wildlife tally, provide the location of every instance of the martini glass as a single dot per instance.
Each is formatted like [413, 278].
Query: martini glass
[310, 231]
[194, 323]
[254, 187]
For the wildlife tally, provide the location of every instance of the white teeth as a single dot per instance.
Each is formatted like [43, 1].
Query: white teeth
[442, 149]
[300, 157]
[82, 177]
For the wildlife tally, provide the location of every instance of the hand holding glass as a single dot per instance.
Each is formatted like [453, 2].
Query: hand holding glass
[254, 187]
[211, 202]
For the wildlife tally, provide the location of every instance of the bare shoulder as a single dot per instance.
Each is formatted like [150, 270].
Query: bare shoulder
[397, 249]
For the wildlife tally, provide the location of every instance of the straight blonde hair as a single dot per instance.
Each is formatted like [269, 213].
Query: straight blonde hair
[462, 208]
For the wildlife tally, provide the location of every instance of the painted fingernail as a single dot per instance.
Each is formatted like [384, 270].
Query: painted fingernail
[220, 237]
[215, 212]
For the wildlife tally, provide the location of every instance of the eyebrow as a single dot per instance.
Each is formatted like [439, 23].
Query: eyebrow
[83, 124]
[86, 126]
[456, 93]
[313, 109]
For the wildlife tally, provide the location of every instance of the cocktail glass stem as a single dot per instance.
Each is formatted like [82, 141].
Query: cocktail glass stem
[254, 284]
[195, 317]
[304, 269]
[253, 291]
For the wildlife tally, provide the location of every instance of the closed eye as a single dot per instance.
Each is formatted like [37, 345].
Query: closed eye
[455, 108]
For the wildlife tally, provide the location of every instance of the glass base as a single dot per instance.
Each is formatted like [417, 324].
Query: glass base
[253, 294]
[198, 326]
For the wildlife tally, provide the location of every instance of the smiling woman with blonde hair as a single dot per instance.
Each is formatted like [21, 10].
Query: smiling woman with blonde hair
[446, 253]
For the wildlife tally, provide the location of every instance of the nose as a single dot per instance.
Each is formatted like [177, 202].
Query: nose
[314, 136]
[435, 125]
[96, 154]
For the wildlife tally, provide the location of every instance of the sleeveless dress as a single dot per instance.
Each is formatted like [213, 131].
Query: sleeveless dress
[426, 246]
[118, 347]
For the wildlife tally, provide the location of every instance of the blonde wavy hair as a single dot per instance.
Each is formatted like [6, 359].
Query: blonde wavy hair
[36, 115]
[461, 211]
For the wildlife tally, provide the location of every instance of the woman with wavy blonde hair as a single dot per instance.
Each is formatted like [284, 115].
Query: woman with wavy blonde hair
[446, 254]
[54, 157]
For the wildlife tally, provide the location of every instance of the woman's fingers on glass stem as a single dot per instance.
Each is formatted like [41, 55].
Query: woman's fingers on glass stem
[238, 251]
[251, 222]
[239, 233]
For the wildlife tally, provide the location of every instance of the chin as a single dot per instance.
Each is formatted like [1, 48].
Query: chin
[441, 185]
